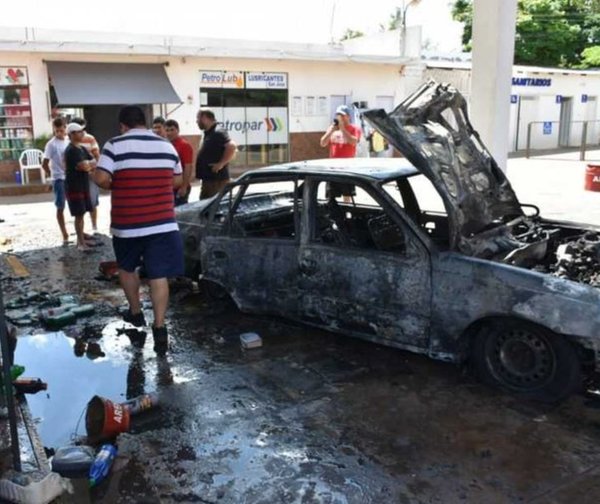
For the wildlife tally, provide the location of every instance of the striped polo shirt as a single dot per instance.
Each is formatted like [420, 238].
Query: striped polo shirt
[142, 166]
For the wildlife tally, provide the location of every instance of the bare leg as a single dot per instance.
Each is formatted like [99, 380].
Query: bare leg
[94, 216]
[60, 217]
[130, 282]
[159, 292]
[79, 231]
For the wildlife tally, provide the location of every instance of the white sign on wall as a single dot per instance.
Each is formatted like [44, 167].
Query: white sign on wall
[12, 76]
[256, 125]
[221, 79]
[266, 80]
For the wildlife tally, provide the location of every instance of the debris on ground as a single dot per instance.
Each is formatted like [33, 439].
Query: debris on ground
[39, 492]
[250, 340]
[102, 464]
[73, 461]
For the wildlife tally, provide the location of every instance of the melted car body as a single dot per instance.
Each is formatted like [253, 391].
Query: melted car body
[433, 253]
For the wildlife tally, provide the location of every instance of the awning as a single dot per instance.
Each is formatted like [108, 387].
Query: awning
[110, 83]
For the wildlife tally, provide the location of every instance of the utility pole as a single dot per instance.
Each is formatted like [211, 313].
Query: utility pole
[401, 13]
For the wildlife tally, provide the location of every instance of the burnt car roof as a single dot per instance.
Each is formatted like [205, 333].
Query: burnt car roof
[373, 168]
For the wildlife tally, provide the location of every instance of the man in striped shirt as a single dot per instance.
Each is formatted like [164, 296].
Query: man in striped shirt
[142, 169]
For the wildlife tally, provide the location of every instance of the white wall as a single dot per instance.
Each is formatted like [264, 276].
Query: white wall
[359, 81]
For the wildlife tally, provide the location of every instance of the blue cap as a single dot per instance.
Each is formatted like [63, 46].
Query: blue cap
[343, 109]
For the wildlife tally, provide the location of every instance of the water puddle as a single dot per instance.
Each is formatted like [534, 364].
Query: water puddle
[113, 363]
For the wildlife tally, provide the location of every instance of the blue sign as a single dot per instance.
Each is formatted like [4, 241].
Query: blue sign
[558, 98]
[528, 81]
[547, 128]
[584, 98]
[514, 98]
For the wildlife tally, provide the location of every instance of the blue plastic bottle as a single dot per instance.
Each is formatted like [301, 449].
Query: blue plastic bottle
[102, 464]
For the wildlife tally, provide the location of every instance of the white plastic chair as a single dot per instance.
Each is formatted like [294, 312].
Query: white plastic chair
[31, 159]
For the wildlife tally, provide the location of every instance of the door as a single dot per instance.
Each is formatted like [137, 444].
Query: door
[564, 127]
[251, 247]
[526, 112]
[362, 270]
[335, 101]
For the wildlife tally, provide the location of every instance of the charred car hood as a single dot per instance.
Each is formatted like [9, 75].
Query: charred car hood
[432, 129]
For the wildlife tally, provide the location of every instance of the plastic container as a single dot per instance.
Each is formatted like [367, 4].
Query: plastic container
[102, 464]
[18, 179]
[250, 340]
[141, 403]
[73, 461]
[105, 419]
[60, 321]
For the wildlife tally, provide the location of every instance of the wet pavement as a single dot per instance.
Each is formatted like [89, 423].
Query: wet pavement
[311, 417]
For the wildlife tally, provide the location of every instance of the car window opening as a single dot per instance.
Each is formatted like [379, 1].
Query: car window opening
[348, 216]
[423, 205]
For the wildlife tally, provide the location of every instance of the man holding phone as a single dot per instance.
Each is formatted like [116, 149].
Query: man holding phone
[341, 136]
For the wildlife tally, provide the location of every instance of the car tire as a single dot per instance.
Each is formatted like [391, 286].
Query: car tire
[527, 360]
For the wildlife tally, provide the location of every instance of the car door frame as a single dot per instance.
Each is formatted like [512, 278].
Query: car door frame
[308, 248]
[251, 285]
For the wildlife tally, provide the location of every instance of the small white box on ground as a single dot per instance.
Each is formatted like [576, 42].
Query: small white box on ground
[250, 340]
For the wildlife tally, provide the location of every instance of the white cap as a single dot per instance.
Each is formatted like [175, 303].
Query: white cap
[74, 127]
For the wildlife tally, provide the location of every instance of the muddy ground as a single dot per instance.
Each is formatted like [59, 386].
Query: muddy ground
[311, 417]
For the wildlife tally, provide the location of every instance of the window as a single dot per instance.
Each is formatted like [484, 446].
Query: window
[262, 210]
[347, 215]
[423, 204]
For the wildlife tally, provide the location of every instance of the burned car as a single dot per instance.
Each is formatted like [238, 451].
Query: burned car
[433, 253]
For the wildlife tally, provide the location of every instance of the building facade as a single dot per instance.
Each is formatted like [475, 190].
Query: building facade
[275, 99]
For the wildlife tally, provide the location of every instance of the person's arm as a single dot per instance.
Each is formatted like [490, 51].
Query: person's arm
[46, 160]
[103, 173]
[228, 155]
[186, 162]
[348, 135]
[95, 149]
[325, 138]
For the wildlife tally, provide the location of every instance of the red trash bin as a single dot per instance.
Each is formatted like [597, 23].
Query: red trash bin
[592, 178]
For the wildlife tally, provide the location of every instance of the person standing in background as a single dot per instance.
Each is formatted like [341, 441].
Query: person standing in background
[217, 150]
[158, 126]
[186, 157]
[53, 164]
[91, 145]
[78, 164]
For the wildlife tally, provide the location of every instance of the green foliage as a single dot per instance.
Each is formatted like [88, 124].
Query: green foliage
[40, 142]
[548, 32]
[591, 57]
[351, 34]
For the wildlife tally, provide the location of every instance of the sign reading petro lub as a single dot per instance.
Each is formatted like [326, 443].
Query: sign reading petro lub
[240, 80]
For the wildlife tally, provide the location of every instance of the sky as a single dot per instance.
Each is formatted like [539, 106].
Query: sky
[316, 21]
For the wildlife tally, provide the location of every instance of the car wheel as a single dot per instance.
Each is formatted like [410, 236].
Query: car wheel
[527, 360]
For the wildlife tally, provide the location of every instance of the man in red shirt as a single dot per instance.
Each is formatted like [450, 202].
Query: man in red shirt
[341, 136]
[186, 156]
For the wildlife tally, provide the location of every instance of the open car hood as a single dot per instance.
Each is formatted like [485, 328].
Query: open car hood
[432, 129]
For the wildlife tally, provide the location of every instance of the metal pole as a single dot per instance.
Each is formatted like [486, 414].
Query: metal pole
[8, 389]
[583, 141]
[528, 147]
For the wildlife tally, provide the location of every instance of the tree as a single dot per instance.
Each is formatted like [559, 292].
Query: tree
[548, 32]
[351, 34]
[590, 57]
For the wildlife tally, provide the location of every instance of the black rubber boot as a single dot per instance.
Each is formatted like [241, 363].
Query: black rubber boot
[161, 340]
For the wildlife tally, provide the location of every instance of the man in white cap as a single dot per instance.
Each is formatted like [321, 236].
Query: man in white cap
[78, 164]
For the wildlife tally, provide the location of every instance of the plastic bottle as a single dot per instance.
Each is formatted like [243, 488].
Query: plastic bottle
[47, 313]
[102, 464]
[83, 310]
[18, 177]
[16, 371]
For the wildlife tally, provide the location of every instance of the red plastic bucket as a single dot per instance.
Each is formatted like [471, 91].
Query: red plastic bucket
[592, 178]
[105, 419]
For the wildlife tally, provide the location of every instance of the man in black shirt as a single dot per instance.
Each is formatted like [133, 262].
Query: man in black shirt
[212, 163]
[78, 163]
